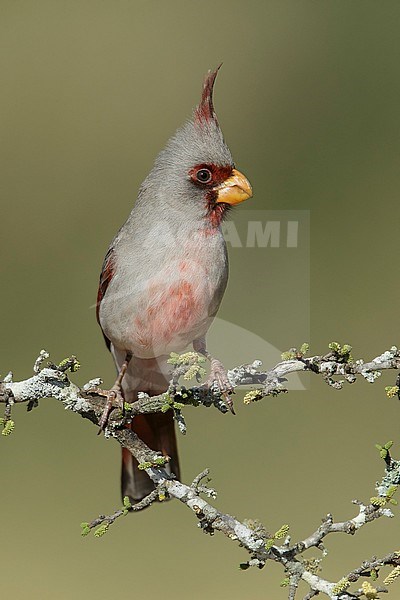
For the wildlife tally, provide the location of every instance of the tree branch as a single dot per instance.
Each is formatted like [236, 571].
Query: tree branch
[52, 381]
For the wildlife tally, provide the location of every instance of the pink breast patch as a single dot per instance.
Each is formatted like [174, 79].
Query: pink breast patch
[169, 313]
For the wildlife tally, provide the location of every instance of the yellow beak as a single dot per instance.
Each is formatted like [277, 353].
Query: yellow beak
[235, 189]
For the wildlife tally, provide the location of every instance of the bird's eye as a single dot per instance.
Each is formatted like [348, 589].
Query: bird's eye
[204, 175]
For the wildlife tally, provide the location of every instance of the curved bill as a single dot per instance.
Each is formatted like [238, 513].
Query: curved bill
[235, 189]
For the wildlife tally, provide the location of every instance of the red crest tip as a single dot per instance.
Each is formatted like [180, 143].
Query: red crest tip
[205, 110]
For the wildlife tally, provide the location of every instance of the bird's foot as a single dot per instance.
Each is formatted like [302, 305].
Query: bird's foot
[219, 378]
[114, 396]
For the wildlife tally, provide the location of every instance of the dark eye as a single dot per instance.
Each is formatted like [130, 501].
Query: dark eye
[204, 175]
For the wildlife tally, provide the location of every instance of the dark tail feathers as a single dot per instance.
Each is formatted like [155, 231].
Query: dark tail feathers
[158, 432]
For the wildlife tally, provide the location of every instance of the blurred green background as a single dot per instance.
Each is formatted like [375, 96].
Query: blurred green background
[308, 99]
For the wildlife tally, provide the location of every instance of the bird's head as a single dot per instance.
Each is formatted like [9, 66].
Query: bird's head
[195, 172]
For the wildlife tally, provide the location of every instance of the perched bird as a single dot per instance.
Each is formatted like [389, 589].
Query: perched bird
[165, 273]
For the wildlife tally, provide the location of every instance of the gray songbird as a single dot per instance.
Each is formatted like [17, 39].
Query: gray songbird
[165, 273]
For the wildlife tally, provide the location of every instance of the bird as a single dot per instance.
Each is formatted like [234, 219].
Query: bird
[165, 273]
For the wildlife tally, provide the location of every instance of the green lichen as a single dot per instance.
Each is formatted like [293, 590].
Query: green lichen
[340, 586]
[374, 574]
[384, 450]
[159, 461]
[369, 592]
[193, 363]
[342, 353]
[282, 532]
[269, 543]
[253, 396]
[85, 529]
[393, 575]
[102, 530]
[392, 391]
[278, 535]
[144, 465]
[304, 348]
[72, 364]
[8, 427]
[381, 501]
[194, 371]
[294, 353]
[127, 504]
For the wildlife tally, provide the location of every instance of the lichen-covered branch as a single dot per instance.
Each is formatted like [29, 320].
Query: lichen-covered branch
[52, 381]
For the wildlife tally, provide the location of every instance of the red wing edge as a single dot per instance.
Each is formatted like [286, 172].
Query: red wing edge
[106, 275]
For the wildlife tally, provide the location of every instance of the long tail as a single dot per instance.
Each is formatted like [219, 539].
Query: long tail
[158, 432]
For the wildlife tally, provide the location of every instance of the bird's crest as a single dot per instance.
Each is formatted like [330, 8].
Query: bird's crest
[205, 112]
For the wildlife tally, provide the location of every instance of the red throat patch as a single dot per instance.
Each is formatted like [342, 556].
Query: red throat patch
[216, 213]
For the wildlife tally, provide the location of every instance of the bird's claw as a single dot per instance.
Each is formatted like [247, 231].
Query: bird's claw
[115, 395]
[219, 378]
[114, 398]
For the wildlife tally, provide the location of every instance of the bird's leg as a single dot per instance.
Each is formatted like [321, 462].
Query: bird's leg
[218, 373]
[115, 394]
